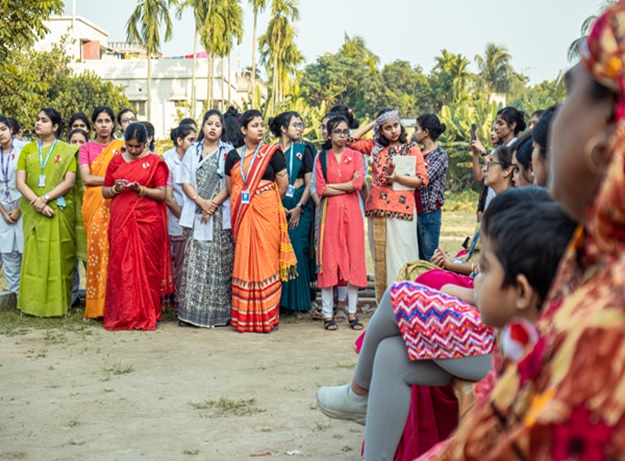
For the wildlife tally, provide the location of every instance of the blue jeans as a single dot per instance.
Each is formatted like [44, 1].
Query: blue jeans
[428, 233]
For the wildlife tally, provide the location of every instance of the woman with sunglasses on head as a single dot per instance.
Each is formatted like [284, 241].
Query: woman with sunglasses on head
[257, 179]
[398, 169]
[297, 206]
[94, 159]
[139, 269]
[46, 171]
[340, 247]
[206, 288]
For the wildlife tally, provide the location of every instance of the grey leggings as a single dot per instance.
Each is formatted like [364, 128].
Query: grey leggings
[385, 369]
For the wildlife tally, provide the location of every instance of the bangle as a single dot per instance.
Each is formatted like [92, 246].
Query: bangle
[114, 189]
[195, 197]
[141, 192]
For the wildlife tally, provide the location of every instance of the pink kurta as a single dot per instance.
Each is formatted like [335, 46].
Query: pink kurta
[343, 238]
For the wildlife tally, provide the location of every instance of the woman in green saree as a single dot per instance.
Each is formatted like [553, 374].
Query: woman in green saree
[46, 171]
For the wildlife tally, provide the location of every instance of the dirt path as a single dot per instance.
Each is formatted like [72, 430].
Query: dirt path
[173, 394]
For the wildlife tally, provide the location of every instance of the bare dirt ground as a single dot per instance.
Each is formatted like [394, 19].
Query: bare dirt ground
[173, 394]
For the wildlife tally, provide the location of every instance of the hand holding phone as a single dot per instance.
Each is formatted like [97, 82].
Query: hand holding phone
[473, 131]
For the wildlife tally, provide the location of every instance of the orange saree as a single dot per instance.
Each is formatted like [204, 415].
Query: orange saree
[263, 254]
[96, 215]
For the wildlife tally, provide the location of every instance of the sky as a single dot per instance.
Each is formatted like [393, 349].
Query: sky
[537, 33]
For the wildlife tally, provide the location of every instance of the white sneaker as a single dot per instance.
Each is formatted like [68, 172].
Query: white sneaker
[334, 401]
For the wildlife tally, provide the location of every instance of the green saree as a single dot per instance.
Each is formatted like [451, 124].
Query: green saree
[49, 243]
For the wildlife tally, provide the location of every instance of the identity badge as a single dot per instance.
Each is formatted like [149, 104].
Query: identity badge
[290, 191]
[245, 197]
[42, 180]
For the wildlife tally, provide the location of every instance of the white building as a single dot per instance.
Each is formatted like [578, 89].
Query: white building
[126, 65]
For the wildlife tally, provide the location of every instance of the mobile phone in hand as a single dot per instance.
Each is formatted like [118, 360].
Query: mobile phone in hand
[473, 131]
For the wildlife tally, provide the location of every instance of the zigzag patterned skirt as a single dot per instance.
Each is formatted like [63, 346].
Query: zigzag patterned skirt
[435, 325]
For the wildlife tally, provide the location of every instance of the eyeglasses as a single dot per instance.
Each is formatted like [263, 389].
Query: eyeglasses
[491, 163]
[341, 133]
[128, 119]
[297, 125]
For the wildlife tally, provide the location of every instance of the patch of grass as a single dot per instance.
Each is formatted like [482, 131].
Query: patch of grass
[346, 448]
[347, 366]
[108, 390]
[120, 369]
[313, 406]
[226, 406]
[13, 322]
[73, 442]
[320, 427]
[191, 452]
[73, 422]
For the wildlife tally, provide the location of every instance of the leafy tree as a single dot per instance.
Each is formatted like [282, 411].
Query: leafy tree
[143, 26]
[44, 79]
[233, 20]
[22, 24]
[458, 119]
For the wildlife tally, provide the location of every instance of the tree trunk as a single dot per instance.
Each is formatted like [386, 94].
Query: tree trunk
[209, 91]
[230, 79]
[254, 56]
[149, 95]
[192, 114]
[223, 85]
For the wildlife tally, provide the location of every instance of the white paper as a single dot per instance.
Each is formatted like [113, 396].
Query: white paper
[203, 232]
[407, 166]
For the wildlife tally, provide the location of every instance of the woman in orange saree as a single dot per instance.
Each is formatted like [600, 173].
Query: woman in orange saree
[95, 157]
[139, 271]
[263, 256]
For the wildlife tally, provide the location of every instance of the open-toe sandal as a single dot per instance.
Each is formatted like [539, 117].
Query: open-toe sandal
[340, 315]
[330, 325]
[355, 324]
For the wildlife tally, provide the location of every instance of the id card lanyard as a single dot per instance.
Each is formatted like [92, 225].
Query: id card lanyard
[290, 191]
[5, 170]
[245, 195]
[42, 176]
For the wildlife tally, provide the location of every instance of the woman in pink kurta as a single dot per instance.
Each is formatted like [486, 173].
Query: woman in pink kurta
[341, 244]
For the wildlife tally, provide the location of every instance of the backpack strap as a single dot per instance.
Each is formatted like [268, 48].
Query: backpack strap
[323, 159]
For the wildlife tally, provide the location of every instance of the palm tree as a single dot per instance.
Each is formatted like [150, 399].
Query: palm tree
[233, 19]
[278, 49]
[496, 73]
[143, 27]
[453, 75]
[573, 53]
[356, 47]
[200, 9]
[258, 6]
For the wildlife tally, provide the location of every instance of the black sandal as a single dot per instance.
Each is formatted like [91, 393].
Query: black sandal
[355, 324]
[330, 325]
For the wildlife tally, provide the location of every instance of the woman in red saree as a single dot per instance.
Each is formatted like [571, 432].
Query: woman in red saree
[257, 180]
[139, 270]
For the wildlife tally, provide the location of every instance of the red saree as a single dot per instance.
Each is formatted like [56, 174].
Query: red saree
[139, 270]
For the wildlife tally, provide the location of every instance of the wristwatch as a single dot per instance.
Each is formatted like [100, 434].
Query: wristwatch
[47, 197]
[301, 205]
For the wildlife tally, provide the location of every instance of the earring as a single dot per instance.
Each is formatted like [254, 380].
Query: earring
[591, 147]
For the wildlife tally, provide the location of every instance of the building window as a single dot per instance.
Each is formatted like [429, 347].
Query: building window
[140, 107]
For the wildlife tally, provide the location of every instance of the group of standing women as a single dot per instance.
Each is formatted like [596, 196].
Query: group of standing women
[235, 215]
